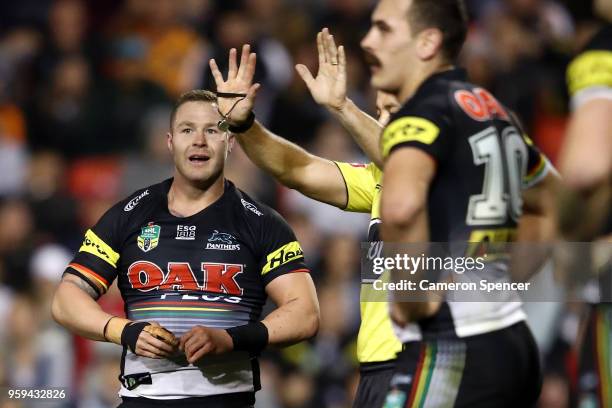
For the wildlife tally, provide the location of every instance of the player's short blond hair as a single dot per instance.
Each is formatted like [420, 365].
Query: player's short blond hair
[195, 95]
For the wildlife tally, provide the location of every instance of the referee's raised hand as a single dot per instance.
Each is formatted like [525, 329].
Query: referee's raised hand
[328, 88]
[239, 81]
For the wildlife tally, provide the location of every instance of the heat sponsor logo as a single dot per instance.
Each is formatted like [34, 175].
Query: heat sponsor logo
[96, 246]
[283, 255]
[146, 276]
[134, 201]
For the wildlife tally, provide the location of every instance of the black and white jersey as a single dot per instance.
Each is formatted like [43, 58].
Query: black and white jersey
[208, 269]
[484, 161]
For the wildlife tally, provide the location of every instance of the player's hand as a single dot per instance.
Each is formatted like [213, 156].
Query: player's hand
[239, 80]
[329, 86]
[200, 341]
[156, 342]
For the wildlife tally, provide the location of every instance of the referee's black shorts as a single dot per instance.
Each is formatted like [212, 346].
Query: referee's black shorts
[373, 384]
[498, 369]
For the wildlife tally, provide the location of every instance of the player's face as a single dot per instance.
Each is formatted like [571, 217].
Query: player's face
[389, 45]
[199, 148]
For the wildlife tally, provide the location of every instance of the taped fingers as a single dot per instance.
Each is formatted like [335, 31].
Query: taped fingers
[162, 334]
[146, 338]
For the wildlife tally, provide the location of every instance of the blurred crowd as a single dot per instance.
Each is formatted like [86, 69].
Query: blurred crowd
[86, 88]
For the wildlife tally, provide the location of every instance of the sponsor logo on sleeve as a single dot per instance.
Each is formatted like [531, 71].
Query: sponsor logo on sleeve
[134, 201]
[283, 255]
[94, 245]
[186, 232]
[149, 237]
[251, 207]
[222, 241]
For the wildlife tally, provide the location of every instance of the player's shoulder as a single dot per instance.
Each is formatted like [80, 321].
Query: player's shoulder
[422, 118]
[601, 41]
[593, 65]
[435, 99]
[140, 200]
[253, 210]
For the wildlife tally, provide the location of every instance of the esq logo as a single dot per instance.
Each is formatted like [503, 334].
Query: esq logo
[220, 278]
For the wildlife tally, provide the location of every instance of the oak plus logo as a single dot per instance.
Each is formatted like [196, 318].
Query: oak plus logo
[222, 241]
[146, 276]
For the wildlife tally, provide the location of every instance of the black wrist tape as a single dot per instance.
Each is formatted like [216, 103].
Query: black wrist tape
[244, 126]
[130, 334]
[252, 337]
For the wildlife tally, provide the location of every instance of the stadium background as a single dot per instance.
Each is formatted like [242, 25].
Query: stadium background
[85, 94]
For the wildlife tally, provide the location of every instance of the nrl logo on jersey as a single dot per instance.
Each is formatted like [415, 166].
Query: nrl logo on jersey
[222, 241]
[149, 237]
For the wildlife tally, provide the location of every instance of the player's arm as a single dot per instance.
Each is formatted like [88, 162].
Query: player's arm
[328, 89]
[407, 176]
[74, 307]
[586, 166]
[586, 158]
[313, 176]
[296, 317]
[537, 228]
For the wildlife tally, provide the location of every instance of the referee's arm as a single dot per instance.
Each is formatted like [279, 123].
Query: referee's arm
[294, 167]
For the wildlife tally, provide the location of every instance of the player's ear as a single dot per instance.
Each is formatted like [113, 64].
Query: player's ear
[429, 43]
[231, 139]
[169, 141]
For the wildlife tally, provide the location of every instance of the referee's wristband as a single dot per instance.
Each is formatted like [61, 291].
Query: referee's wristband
[244, 126]
[252, 337]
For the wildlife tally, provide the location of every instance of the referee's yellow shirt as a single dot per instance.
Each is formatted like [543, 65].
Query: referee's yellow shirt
[376, 341]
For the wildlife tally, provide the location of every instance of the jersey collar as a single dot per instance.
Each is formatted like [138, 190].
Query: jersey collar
[453, 74]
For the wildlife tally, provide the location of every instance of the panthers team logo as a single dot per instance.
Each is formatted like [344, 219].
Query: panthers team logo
[149, 237]
[222, 241]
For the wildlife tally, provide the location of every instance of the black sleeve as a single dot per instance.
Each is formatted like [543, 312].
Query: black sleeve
[97, 258]
[281, 253]
[424, 127]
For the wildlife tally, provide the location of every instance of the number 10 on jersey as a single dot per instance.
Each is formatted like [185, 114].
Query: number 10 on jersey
[505, 159]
